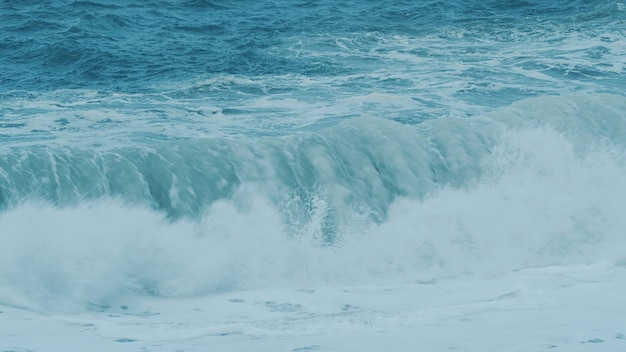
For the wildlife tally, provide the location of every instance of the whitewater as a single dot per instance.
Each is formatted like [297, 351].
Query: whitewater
[312, 176]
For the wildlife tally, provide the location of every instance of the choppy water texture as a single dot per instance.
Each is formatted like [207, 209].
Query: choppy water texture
[211, 146]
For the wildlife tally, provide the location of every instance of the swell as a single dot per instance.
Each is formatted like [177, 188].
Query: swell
[362, 162]
[365, 161]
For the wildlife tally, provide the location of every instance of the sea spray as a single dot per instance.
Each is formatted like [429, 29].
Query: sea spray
[540, 193]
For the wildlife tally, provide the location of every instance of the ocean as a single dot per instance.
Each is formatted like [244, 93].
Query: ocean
[312, 175]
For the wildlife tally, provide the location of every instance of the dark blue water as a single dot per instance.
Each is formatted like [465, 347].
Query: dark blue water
[137, 46]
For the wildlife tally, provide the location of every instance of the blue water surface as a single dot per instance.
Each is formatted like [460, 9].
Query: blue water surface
[135, 46]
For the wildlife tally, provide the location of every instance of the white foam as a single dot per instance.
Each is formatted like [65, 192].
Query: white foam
[542, 306]
[544, 199]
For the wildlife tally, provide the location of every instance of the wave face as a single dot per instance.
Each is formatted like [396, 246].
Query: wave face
[186, 148]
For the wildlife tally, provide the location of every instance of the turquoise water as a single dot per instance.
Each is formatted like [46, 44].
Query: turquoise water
[423, 138]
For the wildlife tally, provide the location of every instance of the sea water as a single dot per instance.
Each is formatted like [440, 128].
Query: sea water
[180, 150]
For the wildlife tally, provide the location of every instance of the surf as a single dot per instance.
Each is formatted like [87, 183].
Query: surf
[368, 201]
